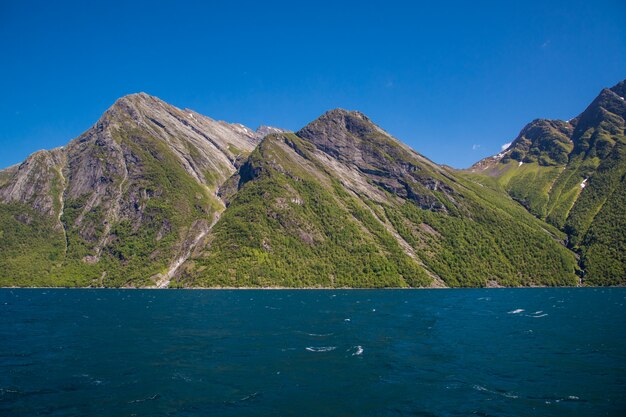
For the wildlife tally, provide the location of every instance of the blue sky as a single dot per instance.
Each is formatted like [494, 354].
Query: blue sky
[453, 80]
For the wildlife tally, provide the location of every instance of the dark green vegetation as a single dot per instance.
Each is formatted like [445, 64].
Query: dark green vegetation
[321, 208]
[292, 225]
[154, 196]
[30, 246]
[573, 175]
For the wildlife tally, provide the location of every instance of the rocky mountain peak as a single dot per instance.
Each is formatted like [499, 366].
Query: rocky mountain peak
[619, 88]
[602, 124]
[146, 111]
[354, 140]
[136, 100]
[342, 133]
[131, 108]
[339, 123]
[343, 113]
[264, 130]
[544, 141]
[611, 100]
[594, 132]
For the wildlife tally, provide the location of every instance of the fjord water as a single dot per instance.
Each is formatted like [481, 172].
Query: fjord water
[489, 352]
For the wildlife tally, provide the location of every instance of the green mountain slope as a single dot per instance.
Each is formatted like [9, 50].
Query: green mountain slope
[342, 203]
[572, 175]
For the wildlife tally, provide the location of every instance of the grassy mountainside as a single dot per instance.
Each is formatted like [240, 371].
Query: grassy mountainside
[572, 175]
[341, 203]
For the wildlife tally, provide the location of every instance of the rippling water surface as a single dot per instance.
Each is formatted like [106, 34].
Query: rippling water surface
[486, 352]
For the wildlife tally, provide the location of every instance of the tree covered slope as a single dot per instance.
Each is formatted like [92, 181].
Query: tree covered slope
[341, 203]
[573, 175]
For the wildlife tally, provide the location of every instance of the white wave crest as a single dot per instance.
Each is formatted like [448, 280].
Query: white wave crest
[321, 348]
[501, 393]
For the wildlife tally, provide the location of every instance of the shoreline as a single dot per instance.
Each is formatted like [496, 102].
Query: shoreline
[305, 288]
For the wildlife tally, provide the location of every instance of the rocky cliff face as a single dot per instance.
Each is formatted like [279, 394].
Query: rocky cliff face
[35, 182]
[138, 187]
[383, 161]
[572, 174]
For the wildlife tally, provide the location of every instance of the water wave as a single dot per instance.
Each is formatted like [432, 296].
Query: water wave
[359, 350]
[246, 398]
[154, 397]
[517, 311]
[8, 390]
[558, 400]
[185, 378]
[249, 397]
[497, 392]
[321, 348]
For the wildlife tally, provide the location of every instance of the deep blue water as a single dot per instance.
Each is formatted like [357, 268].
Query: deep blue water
[313, 353]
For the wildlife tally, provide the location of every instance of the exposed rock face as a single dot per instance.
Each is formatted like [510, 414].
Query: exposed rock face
[144, 165]
[36, 182]
[352, 139]
[263, 131]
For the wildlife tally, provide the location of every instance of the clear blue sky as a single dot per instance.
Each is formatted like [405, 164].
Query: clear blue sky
[453, 80]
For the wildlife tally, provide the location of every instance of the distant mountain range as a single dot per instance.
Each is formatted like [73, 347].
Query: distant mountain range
[156, 196]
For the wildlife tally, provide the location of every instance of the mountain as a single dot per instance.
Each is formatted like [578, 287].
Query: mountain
[156, 196]
[120, 204]
[343, 204]
[572, 174]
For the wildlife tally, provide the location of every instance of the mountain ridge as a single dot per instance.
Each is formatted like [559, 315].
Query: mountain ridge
[572, 175]
[324, 207]
[157, 196]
